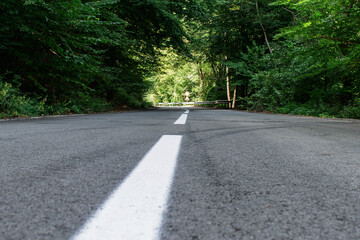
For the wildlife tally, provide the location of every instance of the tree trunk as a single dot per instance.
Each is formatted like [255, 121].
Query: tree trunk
[201, 76]
[228, 83]
[234, 97]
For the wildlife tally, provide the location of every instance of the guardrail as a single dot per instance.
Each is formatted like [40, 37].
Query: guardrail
[224, 103]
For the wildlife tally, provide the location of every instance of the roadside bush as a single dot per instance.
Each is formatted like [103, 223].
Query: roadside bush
[14, 104]
[85, 104]
[351, 111]
[321, 110]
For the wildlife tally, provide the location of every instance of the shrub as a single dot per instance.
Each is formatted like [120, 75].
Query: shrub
[14, 104]
[351, 111]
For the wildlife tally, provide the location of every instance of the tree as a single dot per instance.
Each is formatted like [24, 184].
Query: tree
[72, 52]
[326, 37]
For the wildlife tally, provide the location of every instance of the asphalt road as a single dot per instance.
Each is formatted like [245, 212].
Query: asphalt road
[238, 175]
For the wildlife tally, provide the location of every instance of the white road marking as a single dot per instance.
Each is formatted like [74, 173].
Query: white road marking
[134, 210]
[182, 119]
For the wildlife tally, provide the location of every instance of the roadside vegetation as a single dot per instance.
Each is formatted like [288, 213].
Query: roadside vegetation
[70, 56]
[286, 56]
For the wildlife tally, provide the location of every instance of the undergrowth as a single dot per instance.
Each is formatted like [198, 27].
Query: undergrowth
[321, 110]
[13, 103]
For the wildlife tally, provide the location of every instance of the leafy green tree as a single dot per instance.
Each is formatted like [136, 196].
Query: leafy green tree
[324, 44]
[72, 52]
[236, 25]
[88, 55]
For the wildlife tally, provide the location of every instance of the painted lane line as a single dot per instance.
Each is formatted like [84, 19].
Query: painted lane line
[182, 119]
[134, 210]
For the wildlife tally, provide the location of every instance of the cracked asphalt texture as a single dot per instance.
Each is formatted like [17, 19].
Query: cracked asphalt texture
[239, 175]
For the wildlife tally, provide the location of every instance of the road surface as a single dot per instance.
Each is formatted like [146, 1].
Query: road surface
[176, 174]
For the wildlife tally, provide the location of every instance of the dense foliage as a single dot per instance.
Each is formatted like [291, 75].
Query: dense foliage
[82, 55]
[288, 56]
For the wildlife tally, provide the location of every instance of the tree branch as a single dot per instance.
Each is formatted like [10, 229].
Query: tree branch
[294, 18]
[262, 27]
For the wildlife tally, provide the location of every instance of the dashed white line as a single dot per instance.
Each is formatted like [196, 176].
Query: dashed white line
[182, 119]
[134, 210]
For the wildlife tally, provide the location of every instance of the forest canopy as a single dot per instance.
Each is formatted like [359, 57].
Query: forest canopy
[287, 56]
